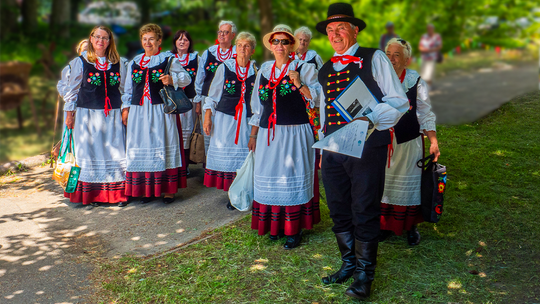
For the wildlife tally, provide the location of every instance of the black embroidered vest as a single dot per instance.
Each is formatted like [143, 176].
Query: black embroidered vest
[232, 90]
[290, 105]
[210, 67]
[138, 77]
[191, 68]
[333, 83]
[408, 127]
[314, 61]
[92, 92]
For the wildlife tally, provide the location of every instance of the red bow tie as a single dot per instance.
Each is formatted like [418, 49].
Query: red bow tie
[346, 59]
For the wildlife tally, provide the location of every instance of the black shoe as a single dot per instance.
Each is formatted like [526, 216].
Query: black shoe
[123, 204]
[413, 236]
[146, 200]
[345, 241]
[229, 206]
[293, 241]
[384, 235]
[168, 200]
[366, 260]
[277, 237]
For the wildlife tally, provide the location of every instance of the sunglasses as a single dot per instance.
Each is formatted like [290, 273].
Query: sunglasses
[403, 42]
[283, 41]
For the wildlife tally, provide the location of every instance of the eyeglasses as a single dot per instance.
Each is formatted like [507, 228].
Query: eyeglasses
[223, 33]
[101, 38]
[283, 41]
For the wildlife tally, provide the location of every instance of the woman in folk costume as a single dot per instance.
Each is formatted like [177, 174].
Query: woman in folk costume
[400, 208]
[189, 59]
[284, 175]
[154, 152]
[228, 106]
[303, 35]
[94, 89]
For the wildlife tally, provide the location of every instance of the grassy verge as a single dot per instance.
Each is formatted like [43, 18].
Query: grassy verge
[484, 250]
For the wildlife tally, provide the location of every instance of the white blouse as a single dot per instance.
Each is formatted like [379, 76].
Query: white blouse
[179, 75]
[75, 77]
[216, 88]
[386, 114]
[310, 54]
[426, 118]
[201, 72]
[308, 76]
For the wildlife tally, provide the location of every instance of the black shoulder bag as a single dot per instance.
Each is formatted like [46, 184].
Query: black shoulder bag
[432, 188]
[176, 101]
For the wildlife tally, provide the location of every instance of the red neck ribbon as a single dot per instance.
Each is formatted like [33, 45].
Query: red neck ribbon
[103, 68]
[272, 85]
[240, 106]
[346, 59]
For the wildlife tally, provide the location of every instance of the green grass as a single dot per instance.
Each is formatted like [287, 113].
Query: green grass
[484, 250]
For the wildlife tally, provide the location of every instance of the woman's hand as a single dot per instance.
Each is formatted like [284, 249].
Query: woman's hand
[252, 144]
[295, 77]
[125, 115]
[198, 108]
[70, 119]
[434, 149]
[207, 125]
[166, 79]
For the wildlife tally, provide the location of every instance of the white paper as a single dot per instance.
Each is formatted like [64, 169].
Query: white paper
[348, 140]
[355, 101]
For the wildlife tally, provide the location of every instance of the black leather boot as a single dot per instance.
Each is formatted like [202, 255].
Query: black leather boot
[413, 236]
[345, 241]
[366, 260]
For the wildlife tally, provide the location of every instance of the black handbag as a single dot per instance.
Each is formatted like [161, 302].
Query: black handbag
[432, 188]
[176, 101]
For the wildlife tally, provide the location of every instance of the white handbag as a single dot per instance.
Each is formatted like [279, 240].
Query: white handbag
[241, 190]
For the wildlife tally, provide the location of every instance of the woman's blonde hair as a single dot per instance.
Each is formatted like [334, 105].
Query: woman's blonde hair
[111, 54]
[151, 28]
[82, 46]
[248, 37]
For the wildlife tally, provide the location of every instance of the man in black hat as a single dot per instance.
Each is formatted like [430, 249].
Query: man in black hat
[354, 186]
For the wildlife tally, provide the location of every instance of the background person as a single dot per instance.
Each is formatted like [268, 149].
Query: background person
[388, 35]
[227, 110]
[430, 46]
[154, 151]
[400, 208]
[94, 89]
[282, 137]
[304, 35]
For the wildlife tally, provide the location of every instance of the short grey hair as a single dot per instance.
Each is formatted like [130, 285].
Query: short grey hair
[407, 49]
[304, 30]
[247, 36]
[233, 26]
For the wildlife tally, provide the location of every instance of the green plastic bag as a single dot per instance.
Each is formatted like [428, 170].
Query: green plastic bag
[67, 172]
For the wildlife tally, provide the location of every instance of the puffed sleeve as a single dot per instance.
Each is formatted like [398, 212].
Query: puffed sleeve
[319, 61]
[216, 90]
[128, 87]
[199, 79]
[123, 74]
[309, 75]
[426, 117]
[179, 75]
[73, 84]
[63, 82]
[322, 112]
[386, 114]
[256, 106]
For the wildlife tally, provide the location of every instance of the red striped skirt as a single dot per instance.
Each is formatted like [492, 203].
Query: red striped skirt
[153, 184]
[289, 219]
[398, 218]
[87, 193]
[218, 179]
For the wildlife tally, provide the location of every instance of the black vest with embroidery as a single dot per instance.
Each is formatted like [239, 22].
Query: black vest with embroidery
[210, 67]
[138, 77]
[232, 90]
[290, 105]
[191, 68]
[92, 92]
[314, 61]
[333, 83]
[408, 127]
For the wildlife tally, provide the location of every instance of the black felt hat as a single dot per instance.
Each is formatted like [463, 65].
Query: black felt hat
[340, 12]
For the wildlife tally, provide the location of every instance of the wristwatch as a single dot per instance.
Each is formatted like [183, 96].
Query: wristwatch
[301, 85]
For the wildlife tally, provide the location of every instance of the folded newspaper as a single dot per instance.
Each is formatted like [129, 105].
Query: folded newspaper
[354, 102]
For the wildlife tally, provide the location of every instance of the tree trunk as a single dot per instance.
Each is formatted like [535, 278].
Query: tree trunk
[265, 12]
[74, 14]
[29, 15]
[144, 8]
[8, 17]
[60, 19]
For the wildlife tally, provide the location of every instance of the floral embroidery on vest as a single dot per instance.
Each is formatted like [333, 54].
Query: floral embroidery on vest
[114, 79]
[137, 76]
[286, 87]
[156, 74]
[229, 86]
[192, 72]
[263, 92]
[212, 67]
[94, 78]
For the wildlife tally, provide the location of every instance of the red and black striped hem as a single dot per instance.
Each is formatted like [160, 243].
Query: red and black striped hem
[218, 179]
[290, 219]
[87, 193]
[398, 218]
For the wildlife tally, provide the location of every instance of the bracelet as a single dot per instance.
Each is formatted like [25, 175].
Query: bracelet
[253, 136]
[301, 86]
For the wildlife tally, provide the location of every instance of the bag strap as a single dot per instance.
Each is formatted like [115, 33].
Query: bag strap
[197, 128]
[426, 161]
[168, 67]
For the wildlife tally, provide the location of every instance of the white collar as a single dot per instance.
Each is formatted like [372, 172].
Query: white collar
[351, 51]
